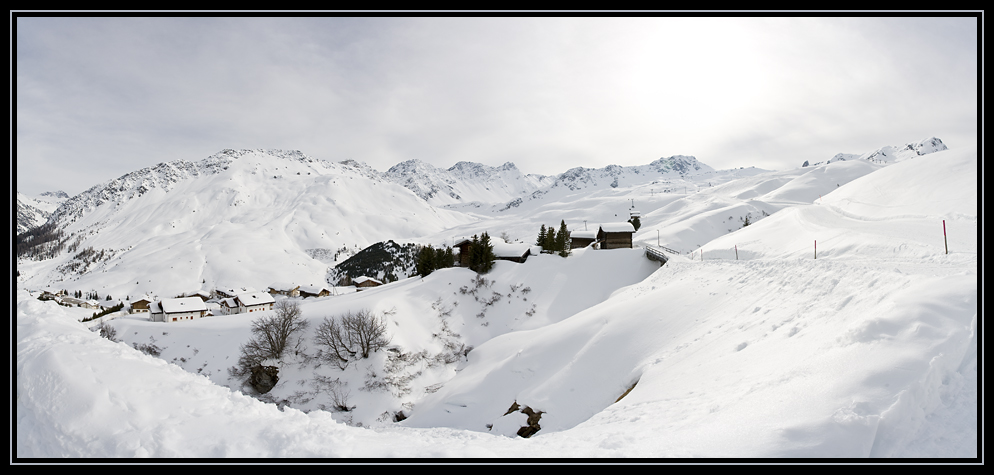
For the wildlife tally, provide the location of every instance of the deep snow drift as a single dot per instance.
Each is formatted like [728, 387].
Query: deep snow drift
[870, 350]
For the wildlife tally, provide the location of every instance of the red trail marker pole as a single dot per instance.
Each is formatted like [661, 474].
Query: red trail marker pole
[736, 252]
[816, 248]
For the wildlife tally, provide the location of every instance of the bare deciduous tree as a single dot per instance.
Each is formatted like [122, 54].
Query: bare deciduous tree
[273, 335]
[351, 336]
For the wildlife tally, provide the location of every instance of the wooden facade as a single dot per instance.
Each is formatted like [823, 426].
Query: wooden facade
[463, 246]
[581, 239]
[615, 235]
[366, 282]
[140, 306]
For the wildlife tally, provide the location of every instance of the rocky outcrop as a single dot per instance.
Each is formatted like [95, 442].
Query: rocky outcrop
[264, 378]
[532, 426]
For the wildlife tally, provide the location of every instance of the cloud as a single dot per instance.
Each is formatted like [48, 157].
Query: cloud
[100, 97]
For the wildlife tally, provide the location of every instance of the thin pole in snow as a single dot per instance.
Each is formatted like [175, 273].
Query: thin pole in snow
[816, 248]
[946, 240]
[736, 252]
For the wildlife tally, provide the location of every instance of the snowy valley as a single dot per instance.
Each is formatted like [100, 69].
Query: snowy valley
[811, 312]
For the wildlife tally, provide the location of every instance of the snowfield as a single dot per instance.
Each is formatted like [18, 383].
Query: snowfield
[870, 350]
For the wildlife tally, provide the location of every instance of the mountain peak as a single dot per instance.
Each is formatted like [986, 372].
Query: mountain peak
[890, 153]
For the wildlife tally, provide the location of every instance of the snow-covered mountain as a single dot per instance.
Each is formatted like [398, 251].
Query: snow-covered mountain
[35, 211]
[249, 217]
[754, 348]
[890, 154]
[465, 182]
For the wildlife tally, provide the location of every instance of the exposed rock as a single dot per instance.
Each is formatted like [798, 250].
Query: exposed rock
[264, 378]
[526, 431]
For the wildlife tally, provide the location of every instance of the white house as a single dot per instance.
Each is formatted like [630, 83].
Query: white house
[178, 309]
[228, 306]
[254, 302]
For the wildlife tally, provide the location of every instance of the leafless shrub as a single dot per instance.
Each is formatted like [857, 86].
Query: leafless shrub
[107, 331]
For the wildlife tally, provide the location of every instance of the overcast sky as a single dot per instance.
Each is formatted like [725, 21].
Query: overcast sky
[100, 97]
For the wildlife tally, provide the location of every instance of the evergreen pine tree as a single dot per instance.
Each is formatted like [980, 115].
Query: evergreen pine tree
[474, 253]
[635, 222]
[550, 240]
[562, 240]
[450, 257]
[426, 261]
[541, 237]
[486, 254]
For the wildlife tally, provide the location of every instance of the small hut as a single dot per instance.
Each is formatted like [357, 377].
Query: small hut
[581, 239]
[615, 235]
[313, 291]
[463, 246]
[364, 282]
[511, 252]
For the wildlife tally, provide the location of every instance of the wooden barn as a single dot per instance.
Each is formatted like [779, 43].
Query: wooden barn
[364, 282]
[313, 291]
[463, 246]
[581, 239]
[511, 252]
[284, 288]
[615, 235]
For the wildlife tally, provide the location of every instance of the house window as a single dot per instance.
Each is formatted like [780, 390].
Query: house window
[174, 319]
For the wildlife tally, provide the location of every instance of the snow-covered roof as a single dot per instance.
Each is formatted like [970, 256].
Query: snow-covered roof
[230, 303]
[583, 234]
[184, 304]
[361, 279]
[283, 286]
[255, 298]
[503, 249]
[622, 227]
[311, 289]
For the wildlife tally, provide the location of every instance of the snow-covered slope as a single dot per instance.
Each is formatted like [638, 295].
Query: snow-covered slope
[775, 355]
[245, 217]
[870, 350]
[465, 182]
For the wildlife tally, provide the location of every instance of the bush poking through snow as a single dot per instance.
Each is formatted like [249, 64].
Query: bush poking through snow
[107, 331]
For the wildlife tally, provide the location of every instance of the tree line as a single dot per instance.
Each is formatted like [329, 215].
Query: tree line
[553, 241]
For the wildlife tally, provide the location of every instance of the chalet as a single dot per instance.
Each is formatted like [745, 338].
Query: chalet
[89, 304]
[313, 291]
[364, 282]
[140, 305]
[581, 239]
[615, 235]
[283, 288]
[178, 309]
[203, 294]
[254, 302]
[511, 252]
